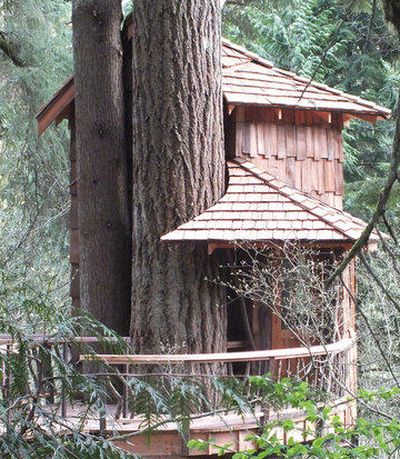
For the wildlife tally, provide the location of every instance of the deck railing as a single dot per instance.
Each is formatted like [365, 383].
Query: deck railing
[328, 368]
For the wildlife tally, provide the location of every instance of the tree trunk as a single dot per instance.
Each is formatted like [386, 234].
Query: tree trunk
[104, 214]
[178, 172]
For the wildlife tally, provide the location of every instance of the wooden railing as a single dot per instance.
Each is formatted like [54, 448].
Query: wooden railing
[226, 357]
[327, 368]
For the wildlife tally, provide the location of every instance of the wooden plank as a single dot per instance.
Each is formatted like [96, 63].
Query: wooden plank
[290, 141]
[316, 142]
[246, 139]
[274, 139]
[301, 142]
[314, 176]
[291, 171]
[335, 143]
[280, 168]
[322, 244]
[309, 142]
[340, 147]
[56, 106]
[247, 356]
[239, 134]
[337, 120]
[330, 144]
[298, 117]
[267, 133]
[260, 139]
[288, 116]
[281, 142]
[298, 174]
[307, 172]
[66, 114]
[324, 118]
[239, 117]
[253, 139]
[323, 140]
[339, 185]
[329, 176]
[309, 118]
[369, 118]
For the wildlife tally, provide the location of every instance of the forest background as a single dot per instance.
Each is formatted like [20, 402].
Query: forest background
[345, 44]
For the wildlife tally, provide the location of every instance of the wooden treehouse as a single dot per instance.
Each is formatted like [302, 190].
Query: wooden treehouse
[284, 154]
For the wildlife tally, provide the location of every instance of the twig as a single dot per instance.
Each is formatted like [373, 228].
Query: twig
[380, 207]
[379, 282]
[375, 338]
[325, 53]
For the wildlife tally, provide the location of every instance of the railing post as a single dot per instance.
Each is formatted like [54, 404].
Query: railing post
[64, 409]
[102, 420]
[125, 389]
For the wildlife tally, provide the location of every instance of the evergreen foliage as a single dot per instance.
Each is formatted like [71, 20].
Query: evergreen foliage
[346, 45]
[327, 436]
[34, 180]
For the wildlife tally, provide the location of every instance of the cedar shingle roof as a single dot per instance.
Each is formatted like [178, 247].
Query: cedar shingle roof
[259, 207]
[250, 80]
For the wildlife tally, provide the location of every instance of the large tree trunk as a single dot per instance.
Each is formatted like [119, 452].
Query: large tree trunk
[104, 213]
[178, 172]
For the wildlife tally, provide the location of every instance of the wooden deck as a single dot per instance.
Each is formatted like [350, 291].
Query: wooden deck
[329, 368]
[230, 428]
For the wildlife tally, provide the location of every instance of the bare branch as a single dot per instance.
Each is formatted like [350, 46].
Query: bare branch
[380, 207]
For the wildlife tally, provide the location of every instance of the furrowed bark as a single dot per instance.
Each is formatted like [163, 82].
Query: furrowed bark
[11, 50]
[178, 172]
[104, 214]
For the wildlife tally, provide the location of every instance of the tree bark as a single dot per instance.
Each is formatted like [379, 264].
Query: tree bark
[11, 50]
[104, 213]
[178, 172]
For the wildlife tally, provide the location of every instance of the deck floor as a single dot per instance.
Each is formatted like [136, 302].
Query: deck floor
[224, 428]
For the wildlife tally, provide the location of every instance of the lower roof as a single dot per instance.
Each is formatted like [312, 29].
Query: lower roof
[257, 207]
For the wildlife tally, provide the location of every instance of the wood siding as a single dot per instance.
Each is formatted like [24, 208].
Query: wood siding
[302, 148]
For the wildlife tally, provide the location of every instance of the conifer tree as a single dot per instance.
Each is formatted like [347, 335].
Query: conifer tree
[104, 215]
[178, 172]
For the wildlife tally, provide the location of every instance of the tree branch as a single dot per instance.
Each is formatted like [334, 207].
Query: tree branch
[10, 49]
[380, 207]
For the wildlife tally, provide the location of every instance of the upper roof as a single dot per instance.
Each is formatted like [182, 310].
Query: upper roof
[259, 207]
[249, 79]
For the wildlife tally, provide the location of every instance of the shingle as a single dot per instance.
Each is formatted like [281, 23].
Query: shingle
[250, 80]
[259, 211]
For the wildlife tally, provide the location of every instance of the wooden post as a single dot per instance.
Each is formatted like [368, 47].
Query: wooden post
[64, 409]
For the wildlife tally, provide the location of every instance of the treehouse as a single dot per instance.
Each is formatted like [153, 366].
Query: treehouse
[284, 156]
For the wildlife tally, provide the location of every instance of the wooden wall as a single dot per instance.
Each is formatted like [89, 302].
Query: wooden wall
[302, 148]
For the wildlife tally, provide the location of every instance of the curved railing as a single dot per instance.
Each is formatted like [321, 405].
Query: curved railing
[329, 368]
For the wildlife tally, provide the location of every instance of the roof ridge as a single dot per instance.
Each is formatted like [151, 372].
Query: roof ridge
[260, 173]
[249, 54]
